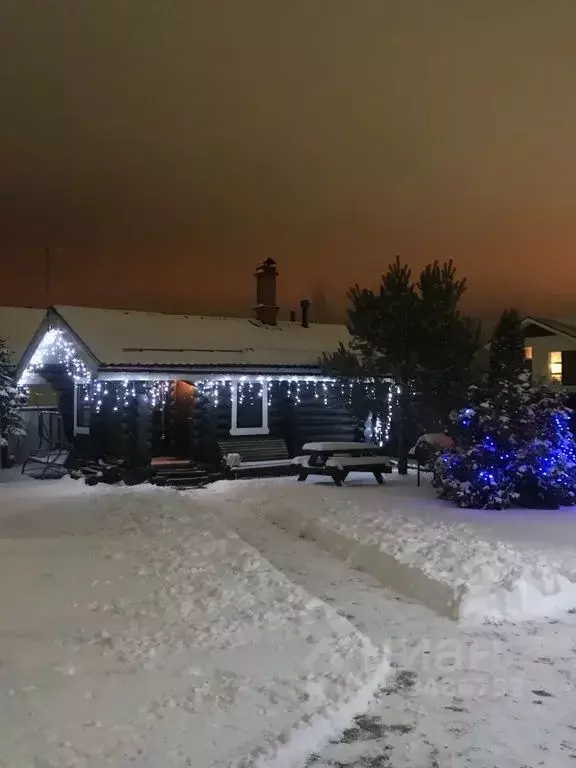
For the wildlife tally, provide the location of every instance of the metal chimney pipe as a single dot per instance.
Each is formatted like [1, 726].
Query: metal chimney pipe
[305, 304]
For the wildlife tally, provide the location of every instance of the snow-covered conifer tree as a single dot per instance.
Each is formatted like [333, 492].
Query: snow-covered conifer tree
[513, 443]
[11, 399]
[513, 448]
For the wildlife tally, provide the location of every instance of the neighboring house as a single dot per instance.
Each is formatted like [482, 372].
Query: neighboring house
[137, 385]
[550, 345]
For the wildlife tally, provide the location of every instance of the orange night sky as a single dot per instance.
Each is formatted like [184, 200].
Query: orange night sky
[162, 149]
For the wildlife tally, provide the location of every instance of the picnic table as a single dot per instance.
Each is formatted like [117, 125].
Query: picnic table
[337, 460]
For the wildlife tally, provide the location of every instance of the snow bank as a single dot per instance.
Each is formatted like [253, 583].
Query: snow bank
[446, 565]
[145, 631]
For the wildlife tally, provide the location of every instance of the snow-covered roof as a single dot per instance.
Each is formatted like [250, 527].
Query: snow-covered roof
[18, 326]
[563, 325]
[127, 338]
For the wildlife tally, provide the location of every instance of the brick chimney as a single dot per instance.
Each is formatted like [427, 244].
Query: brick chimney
[266, 307]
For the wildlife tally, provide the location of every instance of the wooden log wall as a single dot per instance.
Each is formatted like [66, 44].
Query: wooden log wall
[209, 423]
[166, 428]
[191, 426]
[297, 420]
[137, 431]
[125, 433]
[106, 431]
[315, 415]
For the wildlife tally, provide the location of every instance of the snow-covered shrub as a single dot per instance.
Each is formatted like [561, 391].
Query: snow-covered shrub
[513, 446]
[11, 399]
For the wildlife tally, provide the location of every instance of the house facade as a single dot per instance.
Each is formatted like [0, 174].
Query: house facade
[550, 348]
[139, 386]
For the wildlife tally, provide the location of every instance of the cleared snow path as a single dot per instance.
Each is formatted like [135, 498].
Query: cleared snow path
[451, 560]
[476, 697]
[137, 629]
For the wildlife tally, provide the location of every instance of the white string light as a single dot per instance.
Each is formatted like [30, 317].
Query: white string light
[123, 393]
[157, 393]
[319, 387]
[56, 347]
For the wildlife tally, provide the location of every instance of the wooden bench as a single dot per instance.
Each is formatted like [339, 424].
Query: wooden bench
[258, 456]
[339, 467]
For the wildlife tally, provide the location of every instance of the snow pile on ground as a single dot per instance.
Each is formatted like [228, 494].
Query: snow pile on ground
[451, 566]
[138, 629]
[475, 696]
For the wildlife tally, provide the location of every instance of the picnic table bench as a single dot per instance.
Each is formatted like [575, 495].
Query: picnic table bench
[337, 460]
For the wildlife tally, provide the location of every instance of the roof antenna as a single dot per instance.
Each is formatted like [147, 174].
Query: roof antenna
[48, 265]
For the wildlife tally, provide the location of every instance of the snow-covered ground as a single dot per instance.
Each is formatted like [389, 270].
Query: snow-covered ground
[94, 579]
[463, 564]
[138, 629]
[490, 696]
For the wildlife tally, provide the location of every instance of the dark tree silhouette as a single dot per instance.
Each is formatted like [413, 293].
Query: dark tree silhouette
[414, 333]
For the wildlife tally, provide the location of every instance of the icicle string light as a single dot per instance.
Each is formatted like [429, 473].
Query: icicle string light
[57, 348]
[296, 387]
[124, 393]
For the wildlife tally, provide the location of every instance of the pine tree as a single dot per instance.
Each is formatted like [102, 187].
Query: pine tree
[513, 446]
[507, 359]
[415, 334]
[449, 343]
[11, 399]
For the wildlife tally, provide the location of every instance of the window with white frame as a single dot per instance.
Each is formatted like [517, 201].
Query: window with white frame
[82, 408]
[249, 407]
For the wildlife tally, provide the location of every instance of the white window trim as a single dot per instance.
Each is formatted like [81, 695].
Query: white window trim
[234, 428]
[78, 430]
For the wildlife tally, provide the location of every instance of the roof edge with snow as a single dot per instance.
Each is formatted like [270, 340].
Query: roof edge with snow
[112, 341]
[549, 324]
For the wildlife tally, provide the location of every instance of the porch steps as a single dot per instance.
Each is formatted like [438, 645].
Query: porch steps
[191, 476]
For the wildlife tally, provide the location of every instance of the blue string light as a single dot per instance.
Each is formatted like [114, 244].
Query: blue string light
[515, 449]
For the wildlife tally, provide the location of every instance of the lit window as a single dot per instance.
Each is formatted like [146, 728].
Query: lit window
[528, 353]
[555, 367]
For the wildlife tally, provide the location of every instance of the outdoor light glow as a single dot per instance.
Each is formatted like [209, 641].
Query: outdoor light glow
[56, 348]
[125, 392]
[320, 387]
[521, 452]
